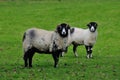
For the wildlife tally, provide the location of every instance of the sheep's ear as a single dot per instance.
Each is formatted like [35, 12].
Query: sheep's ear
[89, 25]
[96, 24]
[68, 27]
[58, 28]
[72, 30]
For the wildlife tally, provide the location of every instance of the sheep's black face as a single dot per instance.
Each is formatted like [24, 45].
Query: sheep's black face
[92, 26]
[62, 29]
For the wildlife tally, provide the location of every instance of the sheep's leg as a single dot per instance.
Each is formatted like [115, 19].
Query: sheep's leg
[31, 53]
[62, 53]
[28, 57]
[89, 51]
[75, 50]
[56, 59]
[25, 59]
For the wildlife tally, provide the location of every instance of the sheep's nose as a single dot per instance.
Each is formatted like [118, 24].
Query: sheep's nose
[92, 29]
[63, 31]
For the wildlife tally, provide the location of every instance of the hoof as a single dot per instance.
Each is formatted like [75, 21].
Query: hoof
[89, 56]
[26, 66]
[55, 66]
[30, 66]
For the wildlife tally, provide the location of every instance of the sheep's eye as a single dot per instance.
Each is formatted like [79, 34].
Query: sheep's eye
[59, 28]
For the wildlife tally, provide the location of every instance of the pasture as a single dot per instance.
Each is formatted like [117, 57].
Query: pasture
[18, 15]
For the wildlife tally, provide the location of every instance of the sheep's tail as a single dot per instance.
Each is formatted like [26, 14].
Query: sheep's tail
[24, 37]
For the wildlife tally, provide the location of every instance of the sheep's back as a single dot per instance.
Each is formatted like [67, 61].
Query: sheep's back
[40, 39]
[78, 36]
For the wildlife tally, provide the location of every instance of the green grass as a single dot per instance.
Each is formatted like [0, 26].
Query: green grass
[17, 16]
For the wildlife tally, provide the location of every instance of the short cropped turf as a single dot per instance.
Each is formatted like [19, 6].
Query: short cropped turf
[16, 16]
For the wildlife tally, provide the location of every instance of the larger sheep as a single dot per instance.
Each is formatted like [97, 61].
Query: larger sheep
[85, 37]
[43, 41]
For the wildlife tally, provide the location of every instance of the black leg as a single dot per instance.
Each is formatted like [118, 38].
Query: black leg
[30, 58]
[89, 51]
[75, 49]
[56, 58]
[25, 59]
[62, 53]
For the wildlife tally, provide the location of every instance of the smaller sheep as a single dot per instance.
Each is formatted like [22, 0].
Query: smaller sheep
[85, 37]
[43, 41]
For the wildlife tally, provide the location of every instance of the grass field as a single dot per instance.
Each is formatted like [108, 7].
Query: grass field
[17, 16]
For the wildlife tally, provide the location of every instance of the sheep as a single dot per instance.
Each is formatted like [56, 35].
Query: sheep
[43, 41]
[85, 37]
